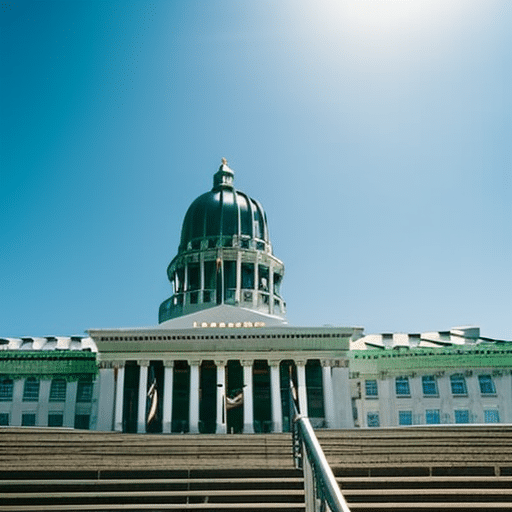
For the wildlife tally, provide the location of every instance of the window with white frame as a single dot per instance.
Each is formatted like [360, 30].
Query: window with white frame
[429, 385]
[31, 390]
[4, 419]
[461, 416]
[372, 419]
[58, 390]
[6, 387]
[432, 417]
[458, 384]
[491, 416]
[405, 417]
[402, 386]
[487, 386]
[371, 389]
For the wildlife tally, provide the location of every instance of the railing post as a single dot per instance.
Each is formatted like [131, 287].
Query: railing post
[309, 483]
[321, 490]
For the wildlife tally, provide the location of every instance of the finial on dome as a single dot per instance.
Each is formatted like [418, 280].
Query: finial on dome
[224, 177]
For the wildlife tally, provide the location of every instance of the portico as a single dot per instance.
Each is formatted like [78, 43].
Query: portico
[221, 379]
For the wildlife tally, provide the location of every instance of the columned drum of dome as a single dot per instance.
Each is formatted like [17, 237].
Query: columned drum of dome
[225, 256]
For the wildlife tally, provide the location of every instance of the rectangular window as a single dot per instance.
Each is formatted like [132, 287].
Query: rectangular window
[462, 416]
[402, 386]
[210, 275]
[405, 417]
[263, 278]
[55, 420]
[179, 280]
[84, 391]
[491, 416]
[31, 390]
[6, 387]
[248, 276]
[429, 385]
[371, 389]
[229, 281]
[277, 284]
[458, 384]
[28, 419]
[58, 390]
[4, 419]
[82, 421]
[486, 385]
[372, 419]
[193, 276]
[432, 416]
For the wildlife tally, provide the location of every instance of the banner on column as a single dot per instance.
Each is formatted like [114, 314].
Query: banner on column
[153, 396]
[236, 401]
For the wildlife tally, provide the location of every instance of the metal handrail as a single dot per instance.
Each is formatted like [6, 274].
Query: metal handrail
[320, 486]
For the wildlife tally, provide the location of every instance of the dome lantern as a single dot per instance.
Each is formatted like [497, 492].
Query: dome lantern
[224, 177]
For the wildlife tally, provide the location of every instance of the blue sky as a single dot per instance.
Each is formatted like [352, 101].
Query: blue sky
[376, 133]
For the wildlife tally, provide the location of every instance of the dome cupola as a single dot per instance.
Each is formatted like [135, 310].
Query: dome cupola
[225, 256]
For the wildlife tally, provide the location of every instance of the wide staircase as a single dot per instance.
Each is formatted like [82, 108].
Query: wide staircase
[442, 468]
[422, 468]
[58, 469]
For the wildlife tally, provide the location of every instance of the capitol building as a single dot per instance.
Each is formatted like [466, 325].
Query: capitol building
[222, 355]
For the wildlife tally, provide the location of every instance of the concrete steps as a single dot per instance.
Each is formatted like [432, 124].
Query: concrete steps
[433, 451]
[426, 493]
[406, 469]
[57, 470]
[243, 489]
[415, 469]
[23, 449]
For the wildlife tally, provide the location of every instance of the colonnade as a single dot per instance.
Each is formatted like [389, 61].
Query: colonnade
[194, 391]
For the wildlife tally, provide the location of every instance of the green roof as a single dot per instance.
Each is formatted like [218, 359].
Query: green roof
[68, 364]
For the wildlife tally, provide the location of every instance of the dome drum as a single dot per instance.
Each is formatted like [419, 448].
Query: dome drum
[237, 278]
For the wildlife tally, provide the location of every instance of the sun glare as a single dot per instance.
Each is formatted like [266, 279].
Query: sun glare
[381, 18]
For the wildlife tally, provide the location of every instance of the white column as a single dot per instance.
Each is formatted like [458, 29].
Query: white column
[248, 400]
[105, 414]
[343, 414]
[301, 382]
[44, 397]
[504, 390]
[238, 296]
[255, 293]
[17, 402]
[330, 415]
[271, 289]
[118, 416]
[143, 392]
[275, 396]
[193, 419]
[70, 405]
[387, 400]
[474, 402]
[167, 398]
[221, 397]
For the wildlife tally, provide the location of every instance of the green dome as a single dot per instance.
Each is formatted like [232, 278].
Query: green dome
[221, 214]
[225, 257]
